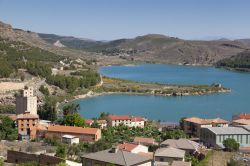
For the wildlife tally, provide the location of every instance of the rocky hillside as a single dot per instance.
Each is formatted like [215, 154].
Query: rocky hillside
[163, 49]
[33, 39]
[69, 41]
[149, 48]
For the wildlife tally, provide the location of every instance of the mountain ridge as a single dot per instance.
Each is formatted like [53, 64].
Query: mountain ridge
[152, 48]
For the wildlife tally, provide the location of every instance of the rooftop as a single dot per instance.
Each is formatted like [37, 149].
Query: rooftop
[205, 121]
[137, 119]
[127, 146]
[72, 129]
[144, 140]
[242, 116]
[89, 121]
[181, 144]
[228, 130]
[126, 117]
[120, 157]
[242, 121]
[170, 152]
[119, 117]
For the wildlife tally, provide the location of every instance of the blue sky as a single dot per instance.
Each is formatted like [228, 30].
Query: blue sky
[113, 19]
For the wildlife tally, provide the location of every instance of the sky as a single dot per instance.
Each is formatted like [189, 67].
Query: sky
[114, 19]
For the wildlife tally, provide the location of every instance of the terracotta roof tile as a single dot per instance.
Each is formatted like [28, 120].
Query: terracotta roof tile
[126, 117]
[243, 116]
[89, 121]
[205, 121]
[137, 119]
[72, 129]
[119, 117]
[144, 140]
[242, 121]
[127, 146]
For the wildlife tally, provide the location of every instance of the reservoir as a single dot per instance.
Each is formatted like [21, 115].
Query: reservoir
[171, 109]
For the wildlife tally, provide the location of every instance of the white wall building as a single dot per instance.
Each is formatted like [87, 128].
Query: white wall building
[70, 139]
[116, 120]
[26, 102]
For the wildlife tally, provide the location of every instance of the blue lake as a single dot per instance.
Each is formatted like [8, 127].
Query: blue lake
[171, 109]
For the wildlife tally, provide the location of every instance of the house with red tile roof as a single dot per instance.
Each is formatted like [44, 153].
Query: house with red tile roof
[84, 134]
[241, 116]
[241, 122]
[131, 121]
[193, 125]
[133, 148]
[24, 124]
[89, 121]
[102, 123]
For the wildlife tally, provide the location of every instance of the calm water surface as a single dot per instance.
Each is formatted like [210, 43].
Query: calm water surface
[173, 108]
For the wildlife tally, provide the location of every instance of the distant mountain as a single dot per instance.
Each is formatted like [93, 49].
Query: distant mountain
[244, 41]
[164, 49]
[153, 48]
[69, 41]
[33, 39]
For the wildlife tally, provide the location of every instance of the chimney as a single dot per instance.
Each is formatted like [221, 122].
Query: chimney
[114, 149]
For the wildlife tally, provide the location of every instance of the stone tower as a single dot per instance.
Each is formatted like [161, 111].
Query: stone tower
[26, 102]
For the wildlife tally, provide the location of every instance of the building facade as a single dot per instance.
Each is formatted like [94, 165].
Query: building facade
[165, 156]
[116, 120]
[84, 134]
[192, 126]
[26, 102]
[214, 136]
[24, 124]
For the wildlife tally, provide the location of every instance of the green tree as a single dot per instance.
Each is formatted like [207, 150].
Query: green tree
[231, 144]
[95, 124]
[7, 129]
[71, 109]
[1, 162]
[103, 115]
[74, 120]
[29, 164]
[48, 111]
[44, 90]
[61, 151]
[181, 122]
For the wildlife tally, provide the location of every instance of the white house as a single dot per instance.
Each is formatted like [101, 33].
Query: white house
[116, 120]
[70, 139]
[133, 148]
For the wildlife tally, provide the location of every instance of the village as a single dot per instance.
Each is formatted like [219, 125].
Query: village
[184, 144]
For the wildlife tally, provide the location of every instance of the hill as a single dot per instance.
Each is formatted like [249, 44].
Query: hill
[69, 41]
[152, 48]
[164, 49]
[240, 62]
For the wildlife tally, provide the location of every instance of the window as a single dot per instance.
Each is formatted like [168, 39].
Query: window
[220, 138]
[241, 139]
[246, 139]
